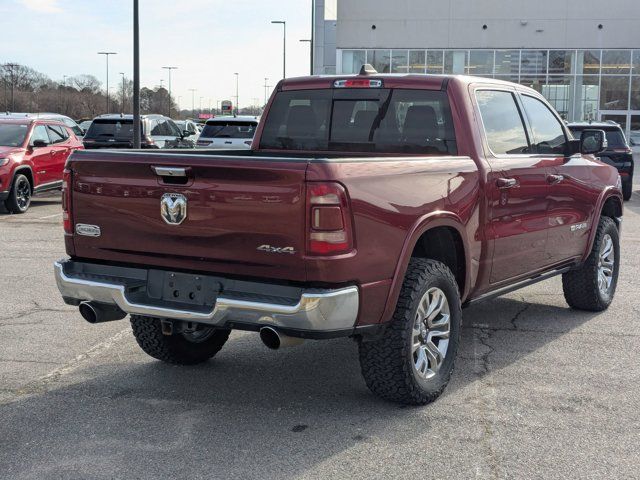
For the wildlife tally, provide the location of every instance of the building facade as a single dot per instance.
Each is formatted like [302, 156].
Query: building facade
[582, 55]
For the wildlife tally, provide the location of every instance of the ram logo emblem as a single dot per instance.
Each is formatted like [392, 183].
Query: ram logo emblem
[173, 208]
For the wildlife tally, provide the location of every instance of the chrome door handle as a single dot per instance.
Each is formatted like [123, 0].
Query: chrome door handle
[555, 179]
[506, 182]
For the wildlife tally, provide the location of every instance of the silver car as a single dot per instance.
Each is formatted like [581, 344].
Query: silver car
[233, 133]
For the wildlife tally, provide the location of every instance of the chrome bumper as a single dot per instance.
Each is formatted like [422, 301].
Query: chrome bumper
[316, 310]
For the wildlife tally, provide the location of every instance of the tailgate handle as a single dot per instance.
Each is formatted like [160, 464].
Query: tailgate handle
[170, 171]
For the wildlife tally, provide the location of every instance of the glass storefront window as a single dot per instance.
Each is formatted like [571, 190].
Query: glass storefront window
[614, 93]
[380, 60]
[399, 61]
[559, 92]
[533, 63]
[636, 62]
[635, 93]
[508, 63]
[587, 92]
[616, 61]
[561, 62]
[352, 60]
[533, 81]
[588, 62]
[434, 61]
[455, 61]
[480, 62]
[417, 61]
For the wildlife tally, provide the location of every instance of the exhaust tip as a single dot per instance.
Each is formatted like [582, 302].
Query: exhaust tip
[88, 312]
[270, 338]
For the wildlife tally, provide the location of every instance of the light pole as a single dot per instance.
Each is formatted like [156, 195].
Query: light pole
[265, 90]
[106, 54]
[284, 45]
[170, 68]
[310, 42]
[193, 101]
[136, 76]
[217, 107]
[122, 73]
[200, 107]
[237, 93]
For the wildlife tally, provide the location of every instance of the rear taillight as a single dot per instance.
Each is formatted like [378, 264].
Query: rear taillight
[67, 187]
[329, 220]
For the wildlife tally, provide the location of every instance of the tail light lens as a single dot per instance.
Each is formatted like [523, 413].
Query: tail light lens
[67, 187]
[329, 222]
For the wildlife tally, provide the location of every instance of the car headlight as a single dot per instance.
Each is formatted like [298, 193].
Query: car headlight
[3, 161]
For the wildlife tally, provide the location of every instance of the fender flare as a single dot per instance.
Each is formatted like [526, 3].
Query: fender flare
[20, 168]
[607, 193]
[421, 226]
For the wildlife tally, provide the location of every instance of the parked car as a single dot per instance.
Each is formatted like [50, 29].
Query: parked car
[32, 156]
[228, 133]
[370, 206]
[189, 129]
[84, 125]
[116, 131]
[634, 142]
[69, 122]
[617, 154]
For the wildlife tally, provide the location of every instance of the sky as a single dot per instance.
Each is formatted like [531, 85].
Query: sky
[208, 40]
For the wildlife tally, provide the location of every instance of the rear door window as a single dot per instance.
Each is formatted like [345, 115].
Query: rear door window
[502, 122]
[361, 120]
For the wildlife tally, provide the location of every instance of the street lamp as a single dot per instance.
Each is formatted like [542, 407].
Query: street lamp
[200, 107]
[106, 54]
[122, 107]
[284, 45]
[137, 127]
[193, 101]
[310, 42]
[170, 68]
[237, 98]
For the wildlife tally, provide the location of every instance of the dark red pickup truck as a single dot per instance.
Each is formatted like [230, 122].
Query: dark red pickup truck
[371, 206]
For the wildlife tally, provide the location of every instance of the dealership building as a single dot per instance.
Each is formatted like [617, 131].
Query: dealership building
[582, 55]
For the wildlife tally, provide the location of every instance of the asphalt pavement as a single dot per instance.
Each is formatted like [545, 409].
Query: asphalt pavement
[539, 391]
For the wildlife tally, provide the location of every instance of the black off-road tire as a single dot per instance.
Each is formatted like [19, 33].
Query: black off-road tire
[12, 203]
[387, 363]
[176, 349]
[627, 189]
[580, 286]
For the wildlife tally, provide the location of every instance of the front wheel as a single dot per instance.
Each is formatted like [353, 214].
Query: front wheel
[413, 361]
[592, 286]
[185, 348]
[20, 195]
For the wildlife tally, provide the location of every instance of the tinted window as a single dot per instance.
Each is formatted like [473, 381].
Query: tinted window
[39, 133]
[12, 135]
[173, 128]
[548, 134]
[120, 129]
[502, 122]
[57, 133]
[222, 129]
[163, 128]
[380, 120]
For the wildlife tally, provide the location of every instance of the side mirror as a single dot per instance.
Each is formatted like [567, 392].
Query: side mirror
[39, 144]
[592, 141]
[186, 133]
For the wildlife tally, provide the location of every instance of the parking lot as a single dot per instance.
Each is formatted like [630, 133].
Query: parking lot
[540, 391]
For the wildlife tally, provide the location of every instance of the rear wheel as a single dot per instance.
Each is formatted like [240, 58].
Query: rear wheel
[413, 361]
[185, 348]
[20, 195]
[592, 286]
[627, 189]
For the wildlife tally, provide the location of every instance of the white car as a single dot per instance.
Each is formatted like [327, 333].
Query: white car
[232, 133]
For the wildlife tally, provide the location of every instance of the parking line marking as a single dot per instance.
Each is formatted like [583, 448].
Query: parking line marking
[50, 216]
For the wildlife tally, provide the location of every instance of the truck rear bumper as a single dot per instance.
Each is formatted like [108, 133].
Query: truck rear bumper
[239, 304]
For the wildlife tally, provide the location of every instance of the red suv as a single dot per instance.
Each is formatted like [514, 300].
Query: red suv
[32, 157]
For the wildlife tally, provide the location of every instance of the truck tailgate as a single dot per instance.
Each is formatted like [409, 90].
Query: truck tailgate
[235, 206]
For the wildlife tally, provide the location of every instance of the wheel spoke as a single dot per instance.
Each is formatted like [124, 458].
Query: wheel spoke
[435, 356]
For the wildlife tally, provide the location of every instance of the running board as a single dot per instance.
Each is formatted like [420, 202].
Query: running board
[517, 286]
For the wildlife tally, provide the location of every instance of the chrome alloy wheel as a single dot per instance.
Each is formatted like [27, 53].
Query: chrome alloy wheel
[606, 264]
[431, 328]
[23, 193]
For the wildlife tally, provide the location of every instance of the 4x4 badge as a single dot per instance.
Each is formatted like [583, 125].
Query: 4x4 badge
[173, 208]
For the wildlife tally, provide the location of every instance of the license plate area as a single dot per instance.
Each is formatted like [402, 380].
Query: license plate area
[189, 289]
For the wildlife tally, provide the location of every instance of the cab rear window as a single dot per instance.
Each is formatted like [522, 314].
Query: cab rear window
[361, 120]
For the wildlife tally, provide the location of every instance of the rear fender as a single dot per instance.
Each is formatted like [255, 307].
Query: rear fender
[422, 225]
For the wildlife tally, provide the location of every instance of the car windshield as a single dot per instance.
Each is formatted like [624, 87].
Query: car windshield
[12, 135]
[222, 129]
[117, 128]
[361, 120]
